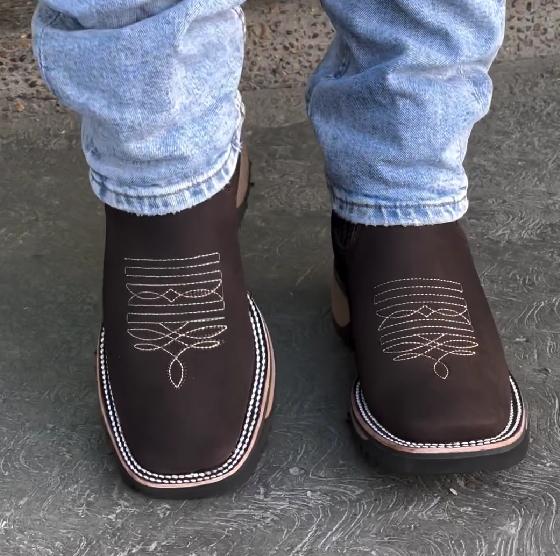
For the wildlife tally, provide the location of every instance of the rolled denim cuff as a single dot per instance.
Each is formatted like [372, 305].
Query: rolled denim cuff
[161, 199]
[398, 214]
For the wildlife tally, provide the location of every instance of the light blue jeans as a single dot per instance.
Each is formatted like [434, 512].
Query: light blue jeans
[393, 103]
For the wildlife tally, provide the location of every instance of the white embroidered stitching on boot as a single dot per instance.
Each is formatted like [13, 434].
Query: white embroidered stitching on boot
[424, 317]
[175, 305]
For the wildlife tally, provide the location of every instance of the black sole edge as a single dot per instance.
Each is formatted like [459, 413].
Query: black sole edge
[393, 461]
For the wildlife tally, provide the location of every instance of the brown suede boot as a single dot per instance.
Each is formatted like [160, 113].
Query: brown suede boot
[185, 362]
[434, 393]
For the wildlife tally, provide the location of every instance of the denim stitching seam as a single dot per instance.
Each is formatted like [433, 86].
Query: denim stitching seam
[345, 202]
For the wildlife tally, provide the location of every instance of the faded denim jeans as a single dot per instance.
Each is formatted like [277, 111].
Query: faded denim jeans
[393, 102]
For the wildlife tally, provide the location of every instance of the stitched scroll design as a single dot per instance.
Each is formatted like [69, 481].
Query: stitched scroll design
[424, 318]
[175, 305]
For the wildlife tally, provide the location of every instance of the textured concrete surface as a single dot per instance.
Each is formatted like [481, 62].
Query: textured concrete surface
[286, 39]
[60, 493]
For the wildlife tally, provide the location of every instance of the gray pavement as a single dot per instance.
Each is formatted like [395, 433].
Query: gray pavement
[60, 493]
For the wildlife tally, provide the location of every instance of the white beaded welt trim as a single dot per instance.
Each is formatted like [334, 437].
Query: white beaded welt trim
[253, 411]
[512, 426]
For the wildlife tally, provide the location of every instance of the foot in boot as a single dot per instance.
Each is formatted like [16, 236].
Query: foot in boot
[434, 392]
[185, 362]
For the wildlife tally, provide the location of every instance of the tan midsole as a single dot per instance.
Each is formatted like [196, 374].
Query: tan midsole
[266, 409]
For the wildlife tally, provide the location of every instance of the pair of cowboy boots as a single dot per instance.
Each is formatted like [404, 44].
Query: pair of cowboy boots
[186, 367]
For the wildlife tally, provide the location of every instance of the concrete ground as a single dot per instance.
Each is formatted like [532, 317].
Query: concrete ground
[60, 493]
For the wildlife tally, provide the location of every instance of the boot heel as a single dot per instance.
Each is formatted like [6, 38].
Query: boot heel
[341, 312]
[244, 184]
